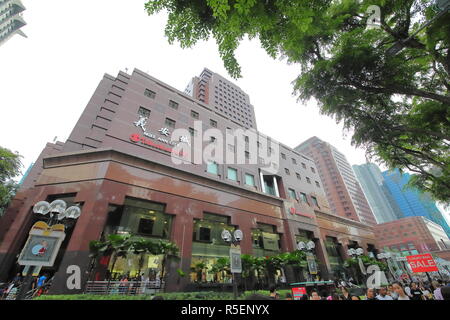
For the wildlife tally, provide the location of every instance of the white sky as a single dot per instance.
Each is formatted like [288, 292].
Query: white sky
[47, 79]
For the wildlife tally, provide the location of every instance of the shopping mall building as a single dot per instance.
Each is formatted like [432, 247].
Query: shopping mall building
[145, 159]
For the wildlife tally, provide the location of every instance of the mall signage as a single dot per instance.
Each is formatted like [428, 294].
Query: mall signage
[422, 263]
[147, 137]
[293, 211]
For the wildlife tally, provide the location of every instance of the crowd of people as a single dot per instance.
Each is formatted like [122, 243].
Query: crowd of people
[39, 286]
[436, 290]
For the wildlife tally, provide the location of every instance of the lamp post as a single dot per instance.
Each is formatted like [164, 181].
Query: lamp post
[308, 248]
[385, 256]
[356, 253]
[235, 254]
[55, 213]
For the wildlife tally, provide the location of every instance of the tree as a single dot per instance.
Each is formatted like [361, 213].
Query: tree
[395, 105]
[167, 250]
[10, 165]
[221, 266]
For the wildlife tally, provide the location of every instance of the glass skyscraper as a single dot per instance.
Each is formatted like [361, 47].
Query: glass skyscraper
[411, 201]
[380, 200]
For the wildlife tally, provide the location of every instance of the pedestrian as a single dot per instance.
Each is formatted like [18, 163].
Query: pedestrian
[416, 293]
[427, 295]
[273, 292]
[407, 290]
[356, 298]
[391, 292]
[382, 294]
[346, 293]
[315, 296]
[288, 296]
[437, 291]
[370, 294]
[445, 292]
[398, 288]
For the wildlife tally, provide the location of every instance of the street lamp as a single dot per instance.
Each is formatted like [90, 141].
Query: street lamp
[235, 254]
[308, 248]
[386, 256]
[58, 214]
[356, 253]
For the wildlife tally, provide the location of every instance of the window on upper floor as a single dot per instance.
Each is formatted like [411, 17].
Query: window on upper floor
[173, 104]
[144, 112]
[149, 93]
[212, 167]
[232, 174]
[292, 194]
[249, 179]
[303, 197]
[194, 114]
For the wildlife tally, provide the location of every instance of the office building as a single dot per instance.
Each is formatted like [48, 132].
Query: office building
[224, 96]
[380, 200]
[11, 20]
[124, 164]
[411, 201]
[343, 191]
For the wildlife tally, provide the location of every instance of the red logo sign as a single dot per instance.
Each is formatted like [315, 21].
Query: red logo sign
[137, 138]
[422, 263]
[293, 211]
[298, 292]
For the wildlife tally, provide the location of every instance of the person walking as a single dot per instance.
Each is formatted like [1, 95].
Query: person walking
[346, 293]
[416, 293]
[370, 294]
[382, 294]
[273, 293]
[398, 288]
[391, 292]
[315, 296]
[437, 291]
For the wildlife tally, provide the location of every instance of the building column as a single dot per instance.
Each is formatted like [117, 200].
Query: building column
[263, 186]
[275, 185]
[183, 229]
[16, 231]
[320, 251]
[89, 227]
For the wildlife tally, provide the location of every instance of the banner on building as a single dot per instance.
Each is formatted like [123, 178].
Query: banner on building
[312, 265]
[42, 245]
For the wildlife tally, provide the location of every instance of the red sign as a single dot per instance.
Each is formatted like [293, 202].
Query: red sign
[422, 263]
[294, 211]
[298, 292]
[137, 138]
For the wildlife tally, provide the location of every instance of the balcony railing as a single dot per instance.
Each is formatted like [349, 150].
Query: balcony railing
[124, 288]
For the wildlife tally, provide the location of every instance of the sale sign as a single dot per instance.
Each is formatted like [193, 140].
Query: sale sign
[422, 263]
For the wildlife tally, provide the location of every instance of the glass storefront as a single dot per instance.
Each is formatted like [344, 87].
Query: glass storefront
[334, 257]
[266, 242]
[208, 247]
[143, 219]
